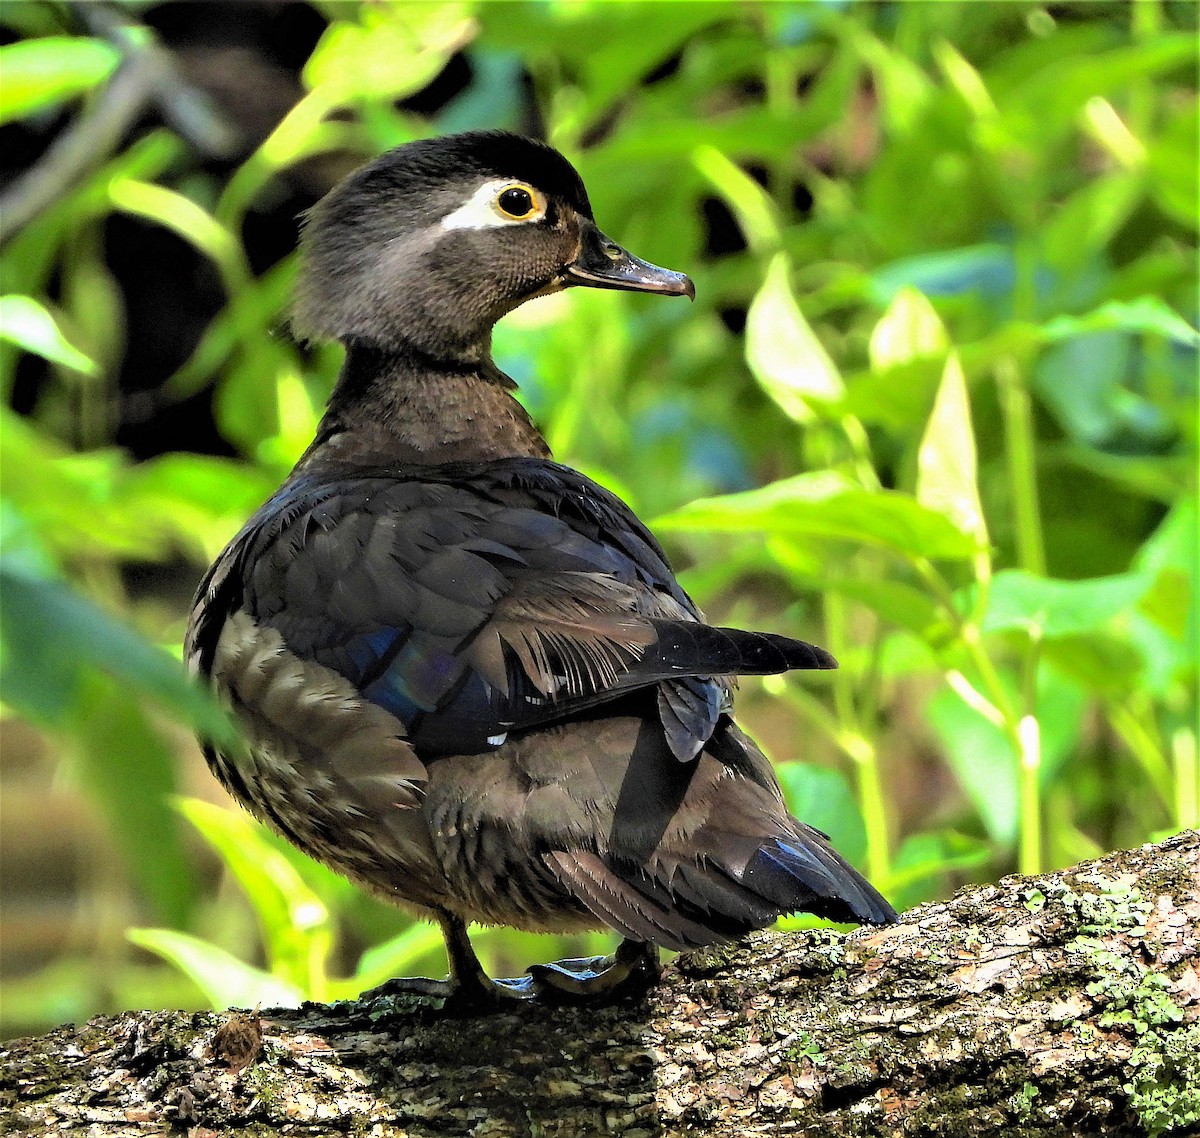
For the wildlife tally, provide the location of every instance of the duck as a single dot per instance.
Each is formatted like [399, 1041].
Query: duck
[464, 674]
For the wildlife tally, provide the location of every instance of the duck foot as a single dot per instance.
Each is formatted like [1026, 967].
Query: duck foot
[477, 995]
[628, 973]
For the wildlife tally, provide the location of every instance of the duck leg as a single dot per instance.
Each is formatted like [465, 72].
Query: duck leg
[629, 972]
[467, 989]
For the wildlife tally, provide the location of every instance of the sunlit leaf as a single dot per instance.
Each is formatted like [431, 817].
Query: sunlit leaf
[294, 921]
[395, 957]
[784, 353]
[906, 89]
[30, 325]
[1172, 166]
[41, 73]
[909, 330]
[208, 498]
[298, 414]
[1091, 217]
[98, 503]
[983, 758]
[187, 219]
[746, 198]
[946, 475]
[826, 505]
[964, 79]
[1054, 96]
[226, 981]
[1173, 602]
[392, 52]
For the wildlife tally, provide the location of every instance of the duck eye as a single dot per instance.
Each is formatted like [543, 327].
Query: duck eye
[516, 203]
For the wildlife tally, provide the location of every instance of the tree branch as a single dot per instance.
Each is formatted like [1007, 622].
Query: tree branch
[1066, 1003]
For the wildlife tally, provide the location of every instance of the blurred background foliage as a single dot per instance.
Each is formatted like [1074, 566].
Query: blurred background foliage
[934, 407]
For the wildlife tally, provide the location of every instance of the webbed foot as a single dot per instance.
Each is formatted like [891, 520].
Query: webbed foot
[628, 973]
[473, 994]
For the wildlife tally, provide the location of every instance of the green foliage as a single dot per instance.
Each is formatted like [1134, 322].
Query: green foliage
[956, 443]
[41, 73]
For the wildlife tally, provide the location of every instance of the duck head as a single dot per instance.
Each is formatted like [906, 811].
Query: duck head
[430, 244]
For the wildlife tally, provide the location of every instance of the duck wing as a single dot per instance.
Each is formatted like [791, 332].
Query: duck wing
[471, 601]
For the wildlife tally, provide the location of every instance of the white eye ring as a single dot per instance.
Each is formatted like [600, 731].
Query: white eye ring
[482, 209]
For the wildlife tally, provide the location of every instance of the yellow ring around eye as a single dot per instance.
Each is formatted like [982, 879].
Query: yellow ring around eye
[519, 202]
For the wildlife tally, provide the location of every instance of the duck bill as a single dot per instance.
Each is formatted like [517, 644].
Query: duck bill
[602, 263]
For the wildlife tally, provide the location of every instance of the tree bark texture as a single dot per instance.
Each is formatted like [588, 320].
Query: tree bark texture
[1063, 1004]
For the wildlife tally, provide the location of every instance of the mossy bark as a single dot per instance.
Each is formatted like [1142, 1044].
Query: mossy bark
[1067, 1003]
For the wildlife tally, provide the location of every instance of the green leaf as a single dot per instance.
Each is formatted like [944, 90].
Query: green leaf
[946, 466]
[825, 504]
[207, 498]
[784, 353]
[41, 73]
[1020, 601]
[986, 269]
[1172, 605]
[1105, 663]
[395, 957]
[97, 503]
[32, 327]
[1050, 99]
[906, 89]
[821, 797]
[129, 771]
[52, 636]
[294, 921]
[225, 981]
[188, 220]
[1172, 165]
[910, 330]
[894, 601]
[983, 758]
[750, 204]
[92, 299]
[391, 53]
[251, 313]
[923, 861]
[1145, 314]
[1090, 218]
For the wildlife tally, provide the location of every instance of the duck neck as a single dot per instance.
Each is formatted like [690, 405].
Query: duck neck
[400, 405]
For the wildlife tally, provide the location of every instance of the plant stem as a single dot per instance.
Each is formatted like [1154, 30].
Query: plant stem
[1029, 750]
[1029, 854]
[1145, 25]
[1017, 410]
[1145, 744]
[1187, 778]
[870, 791]
[855, 743]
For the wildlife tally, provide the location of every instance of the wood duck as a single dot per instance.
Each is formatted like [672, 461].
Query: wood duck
[466, 676]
